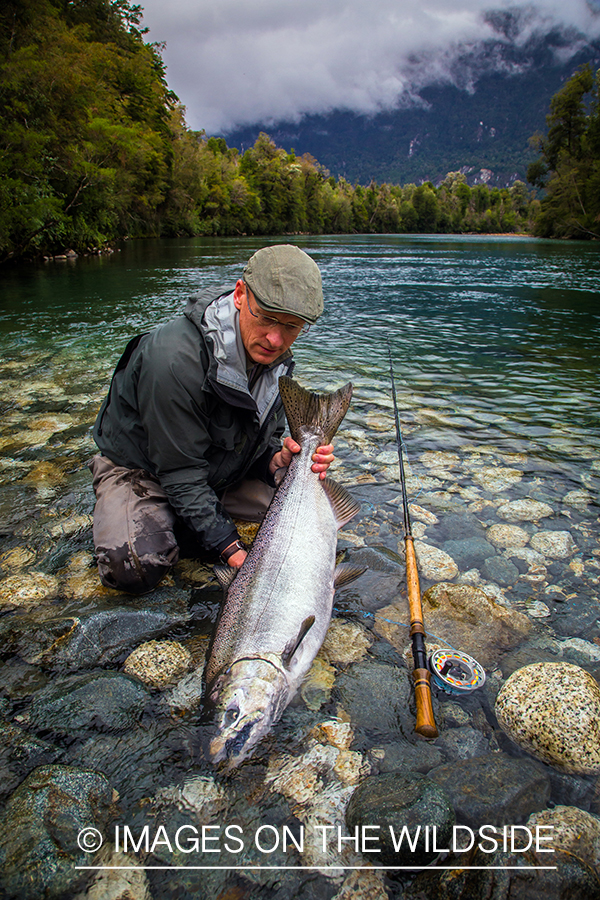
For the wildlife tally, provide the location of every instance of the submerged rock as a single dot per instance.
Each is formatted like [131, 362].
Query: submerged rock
[508, 876]
[435, 564]
[17, 558]
[363, 885]
[461, 616]
[500, 570]
[573, 830]
[200, 794]
[493, 789]
[345, 642]
[20, 753]
[107, 701]
[120, 879]
[507, 536]
[377, 697]
[27, 589]
[393, 802]
[186, 696]
[42, 827]
[555, 544]
[316, 688]
[525, 511]
[105, 634]
[552, 710]
[158, 663]
[496, 480]
[469, 551]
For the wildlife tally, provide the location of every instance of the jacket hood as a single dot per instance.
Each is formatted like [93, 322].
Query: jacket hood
[217, 319]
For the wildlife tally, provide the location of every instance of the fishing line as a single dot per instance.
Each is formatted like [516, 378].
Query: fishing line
[365, 615]
[453, 671]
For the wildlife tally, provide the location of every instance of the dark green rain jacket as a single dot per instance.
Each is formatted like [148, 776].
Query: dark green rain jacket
[180, 408]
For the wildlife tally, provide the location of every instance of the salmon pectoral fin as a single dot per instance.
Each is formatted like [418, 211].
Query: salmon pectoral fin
[292, 646]
[344, 505]
[346, 572]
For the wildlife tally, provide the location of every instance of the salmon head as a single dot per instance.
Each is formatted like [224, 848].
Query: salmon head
[240, 708]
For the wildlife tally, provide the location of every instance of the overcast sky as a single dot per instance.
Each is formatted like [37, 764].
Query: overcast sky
[236, 62]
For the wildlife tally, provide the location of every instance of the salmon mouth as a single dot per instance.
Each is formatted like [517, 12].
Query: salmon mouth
[234, 745]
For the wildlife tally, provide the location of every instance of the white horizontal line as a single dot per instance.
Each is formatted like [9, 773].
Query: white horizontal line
[326, 868]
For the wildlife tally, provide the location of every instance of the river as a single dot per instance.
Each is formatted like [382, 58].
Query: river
[494, 342]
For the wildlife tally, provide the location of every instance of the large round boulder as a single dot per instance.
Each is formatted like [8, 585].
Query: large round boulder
[552, 710]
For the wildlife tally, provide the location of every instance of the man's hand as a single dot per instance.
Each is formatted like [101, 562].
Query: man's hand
[236, 559]
[322, 458]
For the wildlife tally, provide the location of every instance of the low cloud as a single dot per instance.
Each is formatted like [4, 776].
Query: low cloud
[234, 63]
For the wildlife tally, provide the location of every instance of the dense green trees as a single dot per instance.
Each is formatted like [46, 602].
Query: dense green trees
[569, 165]
[85, 147]
[94, 147]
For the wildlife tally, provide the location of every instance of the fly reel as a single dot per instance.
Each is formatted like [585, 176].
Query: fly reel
[456, 673]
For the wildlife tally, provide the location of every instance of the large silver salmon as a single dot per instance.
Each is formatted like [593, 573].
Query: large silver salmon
[278, 605]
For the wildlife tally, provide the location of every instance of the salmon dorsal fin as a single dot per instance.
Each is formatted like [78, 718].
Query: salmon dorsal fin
[225, 575]
[319, 414]
[347, 572]
[292, 646]
[344, 505]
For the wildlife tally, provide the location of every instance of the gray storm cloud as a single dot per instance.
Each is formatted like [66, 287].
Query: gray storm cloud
[235, 62]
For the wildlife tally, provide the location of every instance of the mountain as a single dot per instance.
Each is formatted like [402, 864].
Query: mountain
[480, 123]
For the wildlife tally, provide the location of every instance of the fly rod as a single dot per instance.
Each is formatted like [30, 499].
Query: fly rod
[425, 724]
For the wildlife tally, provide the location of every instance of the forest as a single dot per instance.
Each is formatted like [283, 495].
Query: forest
[94, 149]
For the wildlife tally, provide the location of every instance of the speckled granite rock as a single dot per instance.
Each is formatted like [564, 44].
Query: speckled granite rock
[345, 642]
[507, 536]
[435, 564]
[555, 544]
[27, 589]
[574, 830]
[158, 663]
[552, 710]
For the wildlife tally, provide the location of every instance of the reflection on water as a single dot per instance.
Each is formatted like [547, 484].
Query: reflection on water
[494, 344]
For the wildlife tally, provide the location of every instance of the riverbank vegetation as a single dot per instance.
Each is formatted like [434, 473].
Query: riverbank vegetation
[94, 148]
[569, 166]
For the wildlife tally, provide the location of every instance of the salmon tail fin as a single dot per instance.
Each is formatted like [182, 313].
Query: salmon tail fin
[319, 414]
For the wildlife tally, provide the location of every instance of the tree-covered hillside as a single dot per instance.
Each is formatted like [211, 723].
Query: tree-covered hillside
[94, 148]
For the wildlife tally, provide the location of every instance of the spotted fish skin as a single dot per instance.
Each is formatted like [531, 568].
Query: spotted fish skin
[278, 607]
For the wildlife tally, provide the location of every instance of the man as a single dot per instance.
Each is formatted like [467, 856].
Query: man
[190, 431]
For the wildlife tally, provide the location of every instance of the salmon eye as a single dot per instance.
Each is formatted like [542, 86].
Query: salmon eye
[231, 715]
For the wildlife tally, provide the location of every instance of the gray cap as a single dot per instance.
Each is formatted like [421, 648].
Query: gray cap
[285, 279]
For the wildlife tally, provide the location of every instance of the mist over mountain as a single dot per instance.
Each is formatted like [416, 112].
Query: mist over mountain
[478, 118]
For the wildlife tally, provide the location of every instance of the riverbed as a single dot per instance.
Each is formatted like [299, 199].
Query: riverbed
[494, 343]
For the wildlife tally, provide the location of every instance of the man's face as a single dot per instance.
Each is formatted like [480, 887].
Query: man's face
[263, 343]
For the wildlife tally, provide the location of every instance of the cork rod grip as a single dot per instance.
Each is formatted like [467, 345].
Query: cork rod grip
[425, 724]
[425, 720]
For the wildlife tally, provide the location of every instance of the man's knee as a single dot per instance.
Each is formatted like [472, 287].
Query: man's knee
[136, 569]
[133, 528]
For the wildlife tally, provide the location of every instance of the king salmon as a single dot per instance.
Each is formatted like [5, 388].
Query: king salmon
[278, 604]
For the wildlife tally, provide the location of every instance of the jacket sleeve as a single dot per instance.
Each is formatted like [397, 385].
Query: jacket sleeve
[171, 377]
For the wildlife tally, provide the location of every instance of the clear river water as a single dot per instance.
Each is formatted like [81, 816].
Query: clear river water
[495, 346]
